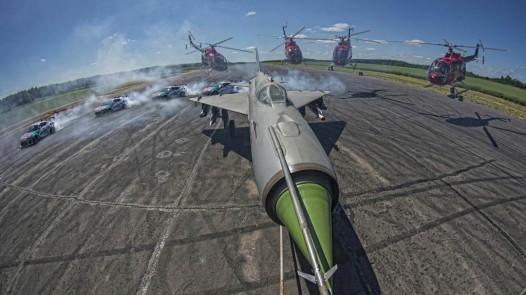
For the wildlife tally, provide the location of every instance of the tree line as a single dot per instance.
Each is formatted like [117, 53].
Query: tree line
[37, 93]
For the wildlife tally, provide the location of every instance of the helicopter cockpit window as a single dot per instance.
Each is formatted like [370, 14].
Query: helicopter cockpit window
[221, 60]
[439, 68]
[272, 94]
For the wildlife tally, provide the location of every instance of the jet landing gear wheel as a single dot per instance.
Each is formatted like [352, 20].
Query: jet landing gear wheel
[232, 128]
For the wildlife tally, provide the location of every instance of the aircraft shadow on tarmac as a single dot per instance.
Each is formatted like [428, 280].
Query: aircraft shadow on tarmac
[355, 274]
[474, 122]
[374, 94]
[327, 133]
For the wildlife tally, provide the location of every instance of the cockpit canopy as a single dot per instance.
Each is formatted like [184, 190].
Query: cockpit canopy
[439, 67]
[272, 94]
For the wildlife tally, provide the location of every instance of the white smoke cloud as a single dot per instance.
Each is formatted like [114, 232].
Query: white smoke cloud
[296, 80]
[250, 13]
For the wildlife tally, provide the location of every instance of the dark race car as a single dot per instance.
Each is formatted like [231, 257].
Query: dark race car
[118, 103]
[170, 91]
[36, 132]
[220, 88]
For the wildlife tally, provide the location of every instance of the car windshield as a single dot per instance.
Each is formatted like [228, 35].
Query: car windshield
[32, 128]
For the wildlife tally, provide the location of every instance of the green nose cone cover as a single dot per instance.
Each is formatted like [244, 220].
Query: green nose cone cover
[316, 201]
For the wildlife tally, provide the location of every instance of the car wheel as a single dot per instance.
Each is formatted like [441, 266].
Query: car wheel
[35, 140]
[52, 130]
[183, 94]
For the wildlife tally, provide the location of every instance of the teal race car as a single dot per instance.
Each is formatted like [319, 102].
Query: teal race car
[118, 103]
[170, 91]
[36, 132]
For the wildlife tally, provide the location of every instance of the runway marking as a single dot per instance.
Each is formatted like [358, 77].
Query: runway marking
[365, 165]
[181, 140]
[61, 163]
[162, 176]
[164, 154]
[68, 207]
[154, 259]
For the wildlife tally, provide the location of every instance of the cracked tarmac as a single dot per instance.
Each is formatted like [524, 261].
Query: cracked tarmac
[152, 200]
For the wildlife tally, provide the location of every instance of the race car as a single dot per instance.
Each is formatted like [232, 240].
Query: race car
[220, 88]
[170, 91]
[118, 103]
[36, 132]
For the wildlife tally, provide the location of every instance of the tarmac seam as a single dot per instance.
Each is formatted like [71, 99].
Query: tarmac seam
[60, 164]
[422, 180]
[486, 217]
[438, 222]
[143, 247]
[154, 259]
[67, 207]
[77, 199]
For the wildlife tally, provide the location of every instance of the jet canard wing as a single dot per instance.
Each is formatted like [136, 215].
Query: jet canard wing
[303, 98]
[235, 102]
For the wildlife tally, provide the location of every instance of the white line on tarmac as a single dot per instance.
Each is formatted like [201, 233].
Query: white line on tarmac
[67, 207]
[154, 260]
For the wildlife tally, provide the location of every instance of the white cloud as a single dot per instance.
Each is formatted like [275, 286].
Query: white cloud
[339, 27]
[43, 60]
[90, 31]
[250, 47]
[300, 36]
[250, 13]
[414, 42]
[370, 48]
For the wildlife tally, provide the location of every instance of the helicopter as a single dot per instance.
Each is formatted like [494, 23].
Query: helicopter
[292, 50]
[451, 68]
[209, 55]
[342, 53]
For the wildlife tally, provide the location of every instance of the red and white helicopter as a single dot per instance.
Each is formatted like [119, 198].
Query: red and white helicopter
[451, 68]
[210, 56]
[342, 53]
[293, 53]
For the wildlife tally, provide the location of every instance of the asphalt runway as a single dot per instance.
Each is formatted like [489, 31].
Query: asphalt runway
[153, 200]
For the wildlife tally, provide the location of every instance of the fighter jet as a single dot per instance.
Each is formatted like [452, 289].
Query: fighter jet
[294, 176]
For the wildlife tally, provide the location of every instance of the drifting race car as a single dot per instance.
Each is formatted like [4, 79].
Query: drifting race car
[118, 103]
[36, 132]
[220, 88]
[170, 91]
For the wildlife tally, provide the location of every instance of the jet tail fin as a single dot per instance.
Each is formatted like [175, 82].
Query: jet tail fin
[258, 66]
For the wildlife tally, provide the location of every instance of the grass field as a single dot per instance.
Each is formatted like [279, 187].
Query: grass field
[41, 106]
[489, 87]
[508, 99]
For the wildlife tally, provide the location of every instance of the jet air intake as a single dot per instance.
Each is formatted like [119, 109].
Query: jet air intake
[302, 202]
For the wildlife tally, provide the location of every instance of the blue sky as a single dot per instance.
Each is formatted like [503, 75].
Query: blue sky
[45, 42]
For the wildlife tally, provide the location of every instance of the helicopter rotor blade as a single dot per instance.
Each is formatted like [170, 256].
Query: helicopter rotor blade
[191, 52]
[360, 32]
[219, 42]
[236, 49]
[277, 47]
[371, 41]
[292, 37]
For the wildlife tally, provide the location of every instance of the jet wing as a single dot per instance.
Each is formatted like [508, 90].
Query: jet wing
[302, 98]
[235, 102]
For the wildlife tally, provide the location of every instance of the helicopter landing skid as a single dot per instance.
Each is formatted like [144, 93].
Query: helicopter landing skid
[458, 95]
